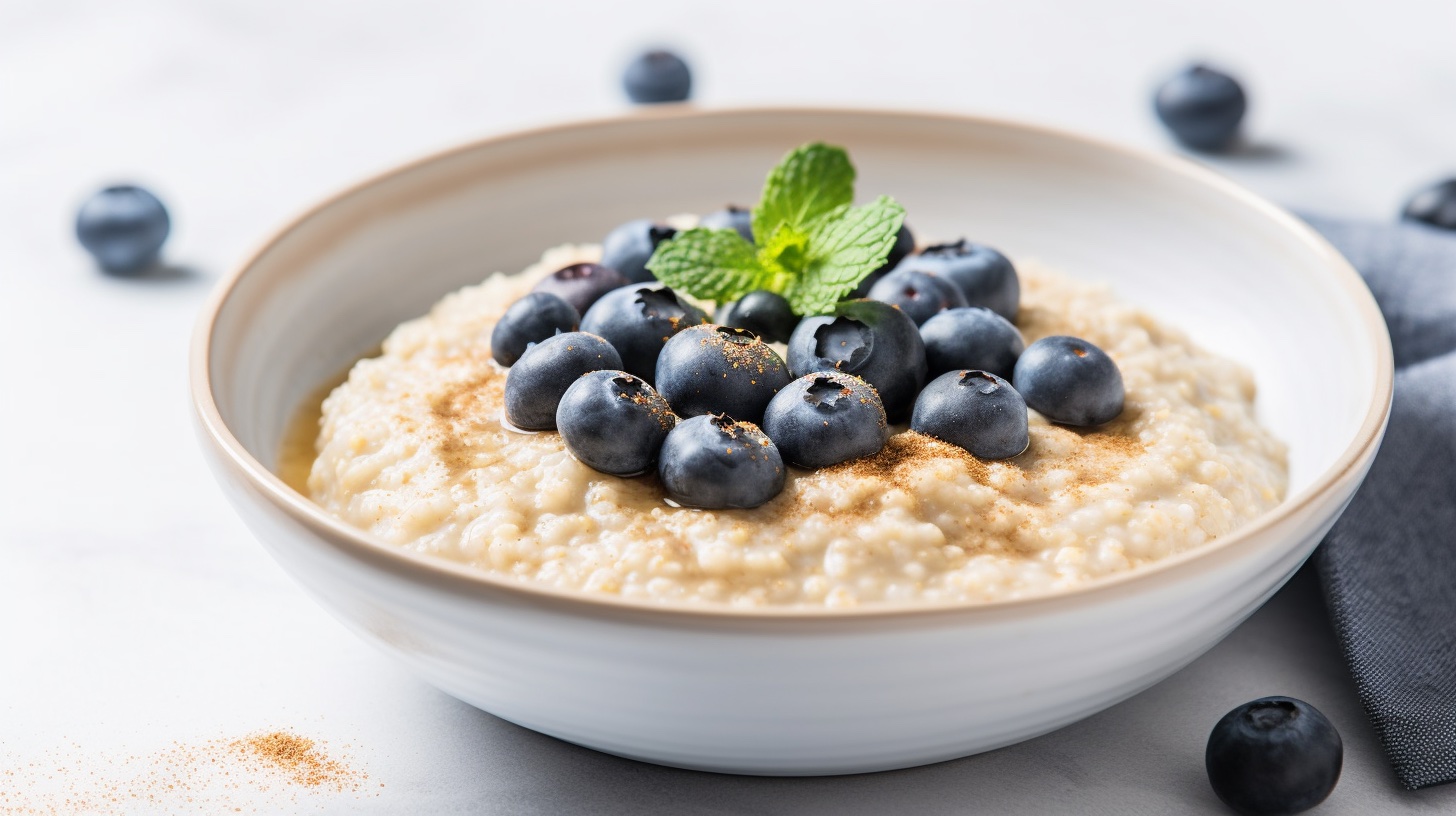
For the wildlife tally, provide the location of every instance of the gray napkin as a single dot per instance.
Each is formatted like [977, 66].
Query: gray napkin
[1389, 564]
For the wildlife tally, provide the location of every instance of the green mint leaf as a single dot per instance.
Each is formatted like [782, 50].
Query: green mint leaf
[709, 264]
[841, 252]
[810, 183]
[784, 256]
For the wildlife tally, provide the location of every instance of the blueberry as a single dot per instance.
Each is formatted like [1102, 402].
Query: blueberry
[536, 382]
[657, 76]
[762, 312]
[1201, 107]
[976, 410]
[921, 295]
[730, 217]
[720, 370]
[1069, 380]
[904, 245]
[869, 339]
[533, 318]
[985, 276]
[823, 419]
[1435, 205]
[628, 248]
[614, 422]
[124, 228]
[638, 321]
[974, 338]
[581, 284]
[712, 462]
[1275, 755]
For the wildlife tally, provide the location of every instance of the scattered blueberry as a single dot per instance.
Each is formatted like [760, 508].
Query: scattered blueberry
[638, 320]
[762, 312]
[536, 382]
[985, 276]
[1202, 107]
[976, 410]
[1435, 205]
[614, 422]
[974, 338]
[1275, 755]
[123, 227]
[712, 462]
[869, 339]
[581, 284]
[719, 370]
[730, 217]
[628, 248]
[920, 295]
[1069, 380]
[823, 419]
[533, 318]
[657, 76]
[904, 245]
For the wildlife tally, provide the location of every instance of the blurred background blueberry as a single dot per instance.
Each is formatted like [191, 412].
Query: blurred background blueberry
[123, 227]
[1202, 107]
[1434, 205]
[657, 76]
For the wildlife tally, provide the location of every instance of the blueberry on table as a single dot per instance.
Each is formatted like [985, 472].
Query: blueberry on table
[1275, 755]
[657, 76]
[123, 227]
[719, 370]
[1069, 380]
[904, 245]
[614, 422]
[869, 339]
[536, 383]
[1435, 205]
[581, 284]
[972, 338]
[730, 217]
[638, 320]
[976, 410]
[533, 318]
[1202, 107]
[920, 295]
[985, 276]
[714, 462]
[823, 419]
[762, 312]
[628, 248]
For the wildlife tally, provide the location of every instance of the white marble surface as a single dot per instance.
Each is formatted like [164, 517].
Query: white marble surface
[136, 612]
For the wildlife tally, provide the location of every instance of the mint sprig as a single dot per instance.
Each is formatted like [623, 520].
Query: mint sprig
[813, 247]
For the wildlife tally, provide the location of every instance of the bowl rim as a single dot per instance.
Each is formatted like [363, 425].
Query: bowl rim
[463, 579]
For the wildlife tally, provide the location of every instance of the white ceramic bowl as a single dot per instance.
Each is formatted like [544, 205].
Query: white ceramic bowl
[795, 691]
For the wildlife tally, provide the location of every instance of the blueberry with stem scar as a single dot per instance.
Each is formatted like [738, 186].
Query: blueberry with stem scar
[1069, 380]
[614, 422]
[720, 369]
[638, 320]
[713, 462]
[869, 339]
[826, 418]
[976, 410]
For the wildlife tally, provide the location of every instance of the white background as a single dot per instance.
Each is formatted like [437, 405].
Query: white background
[135, 611]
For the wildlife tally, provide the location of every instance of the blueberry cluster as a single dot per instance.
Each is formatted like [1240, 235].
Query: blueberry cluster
[636, 377]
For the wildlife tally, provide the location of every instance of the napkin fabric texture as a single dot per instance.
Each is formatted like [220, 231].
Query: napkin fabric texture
[1389, 565]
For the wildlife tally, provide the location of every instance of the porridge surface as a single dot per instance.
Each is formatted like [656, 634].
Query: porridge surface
[411, 449]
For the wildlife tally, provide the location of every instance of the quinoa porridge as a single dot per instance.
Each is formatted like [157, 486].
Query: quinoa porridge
[411, 449]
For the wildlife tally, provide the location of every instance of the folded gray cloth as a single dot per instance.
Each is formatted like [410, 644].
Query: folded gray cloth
[1389, 564]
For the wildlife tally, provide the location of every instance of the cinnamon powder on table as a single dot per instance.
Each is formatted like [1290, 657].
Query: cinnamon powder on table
[262, 772]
